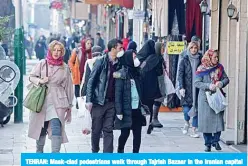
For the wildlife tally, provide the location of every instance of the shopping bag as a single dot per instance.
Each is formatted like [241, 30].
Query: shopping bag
[85, 115]
[81, 105]
[169, 87]
[216, 101]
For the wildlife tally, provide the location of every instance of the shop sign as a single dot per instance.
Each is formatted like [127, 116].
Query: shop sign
[175, 47]
[138, 14]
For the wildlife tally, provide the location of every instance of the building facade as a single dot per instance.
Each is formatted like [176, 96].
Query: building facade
[229, 36]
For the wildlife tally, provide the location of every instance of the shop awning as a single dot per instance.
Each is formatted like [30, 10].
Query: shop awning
[124, 3]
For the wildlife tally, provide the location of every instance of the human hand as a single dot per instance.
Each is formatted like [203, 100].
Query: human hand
[43, 80]
[89, 106]
[182, 92]
[219, 84]
[212, 87]
[120, 117]
[68, 116]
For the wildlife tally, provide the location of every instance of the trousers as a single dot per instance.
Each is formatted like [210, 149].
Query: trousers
[55, 127]
[103, 120]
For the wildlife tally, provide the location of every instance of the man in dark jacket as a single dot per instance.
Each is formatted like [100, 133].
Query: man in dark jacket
[100, 41]
[100, 97]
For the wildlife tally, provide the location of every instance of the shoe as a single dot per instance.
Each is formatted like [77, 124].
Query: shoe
[185, 129]
[120, 150]
[217, 146]
[194, 135]
[207, 149]
[77, 107]
[150, 128]
[155, 122]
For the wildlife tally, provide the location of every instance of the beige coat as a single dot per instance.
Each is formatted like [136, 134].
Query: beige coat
[60, 92]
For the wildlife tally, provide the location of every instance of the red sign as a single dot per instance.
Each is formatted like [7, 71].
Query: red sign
[124, 3]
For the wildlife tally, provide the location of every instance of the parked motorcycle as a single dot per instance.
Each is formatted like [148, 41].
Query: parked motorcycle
[9, 78]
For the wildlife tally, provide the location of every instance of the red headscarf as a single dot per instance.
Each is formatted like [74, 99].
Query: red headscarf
[207, 67]
[86, 54]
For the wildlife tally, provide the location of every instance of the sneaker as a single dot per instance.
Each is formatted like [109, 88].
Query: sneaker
[195, 135]
[185, 129]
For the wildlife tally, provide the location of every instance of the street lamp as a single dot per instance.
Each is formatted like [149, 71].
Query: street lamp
[204, 9]
[231, 9]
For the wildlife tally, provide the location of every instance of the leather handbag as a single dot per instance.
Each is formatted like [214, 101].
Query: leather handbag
[36, 96]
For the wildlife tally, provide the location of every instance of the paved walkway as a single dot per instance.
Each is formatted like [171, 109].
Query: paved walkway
[14, 140]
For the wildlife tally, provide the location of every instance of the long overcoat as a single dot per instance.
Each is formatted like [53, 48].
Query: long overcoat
[60, 92]
[208, 121]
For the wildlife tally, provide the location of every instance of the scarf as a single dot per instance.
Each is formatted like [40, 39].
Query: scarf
[207, 68]
[194, 61]
[84, 57]
[52, 61]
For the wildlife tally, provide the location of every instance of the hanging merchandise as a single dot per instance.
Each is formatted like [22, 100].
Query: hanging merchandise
[171, 67]
[176, 8]
[193, 19]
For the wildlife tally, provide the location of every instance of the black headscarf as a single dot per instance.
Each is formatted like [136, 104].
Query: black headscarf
[132, 46]
[127, 61]
[147, 50]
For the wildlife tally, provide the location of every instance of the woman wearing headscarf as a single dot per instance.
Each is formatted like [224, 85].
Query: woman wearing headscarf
[58, 102]
[127, 101]
[210, 75]
[77, 63]
[187, 90]
[159, 49]
[151, 69]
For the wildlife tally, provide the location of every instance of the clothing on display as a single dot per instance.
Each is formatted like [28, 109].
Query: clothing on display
[177, 6]
[193, 19]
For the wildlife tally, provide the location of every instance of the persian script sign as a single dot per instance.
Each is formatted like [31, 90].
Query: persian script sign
[175, 47]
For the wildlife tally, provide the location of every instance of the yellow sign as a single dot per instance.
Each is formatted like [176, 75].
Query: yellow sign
[175, 47]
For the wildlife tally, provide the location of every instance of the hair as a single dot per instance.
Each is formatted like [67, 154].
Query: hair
[193, 43]
[113, 43]
[54, 43]
[98, 34]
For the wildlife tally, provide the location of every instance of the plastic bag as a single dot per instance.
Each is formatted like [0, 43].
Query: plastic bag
[81, 105]
[169, 87]
[216, 101]
[85, 115]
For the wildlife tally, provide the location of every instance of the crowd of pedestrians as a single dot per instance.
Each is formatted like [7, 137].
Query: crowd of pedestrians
[121, 86]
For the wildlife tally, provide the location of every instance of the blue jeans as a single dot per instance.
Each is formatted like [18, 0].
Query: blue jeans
[186, 110]
[211, 138]
[55, 127]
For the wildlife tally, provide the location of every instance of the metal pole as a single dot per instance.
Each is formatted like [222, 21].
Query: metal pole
[204, 33]
[19, 60]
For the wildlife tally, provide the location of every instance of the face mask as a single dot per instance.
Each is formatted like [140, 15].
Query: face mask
[136, 62]
[120, 54]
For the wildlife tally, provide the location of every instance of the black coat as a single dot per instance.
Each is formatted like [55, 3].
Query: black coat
[123, 101]
[98, 81]
[185, 81]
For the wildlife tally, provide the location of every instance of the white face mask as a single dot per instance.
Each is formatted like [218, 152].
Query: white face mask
[136, 62]
[120, 54]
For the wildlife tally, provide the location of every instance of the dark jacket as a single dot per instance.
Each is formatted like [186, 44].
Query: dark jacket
[185, 81]
[98, 81]
[123, 100]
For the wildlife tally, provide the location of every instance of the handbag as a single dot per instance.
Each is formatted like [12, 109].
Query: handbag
[36, 96]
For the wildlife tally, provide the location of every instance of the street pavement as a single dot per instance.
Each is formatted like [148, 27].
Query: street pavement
[14, 140]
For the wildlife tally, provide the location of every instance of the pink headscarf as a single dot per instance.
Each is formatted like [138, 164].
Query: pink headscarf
[52, 61]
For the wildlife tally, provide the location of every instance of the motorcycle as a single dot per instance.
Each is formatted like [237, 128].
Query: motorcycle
[9, 78]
